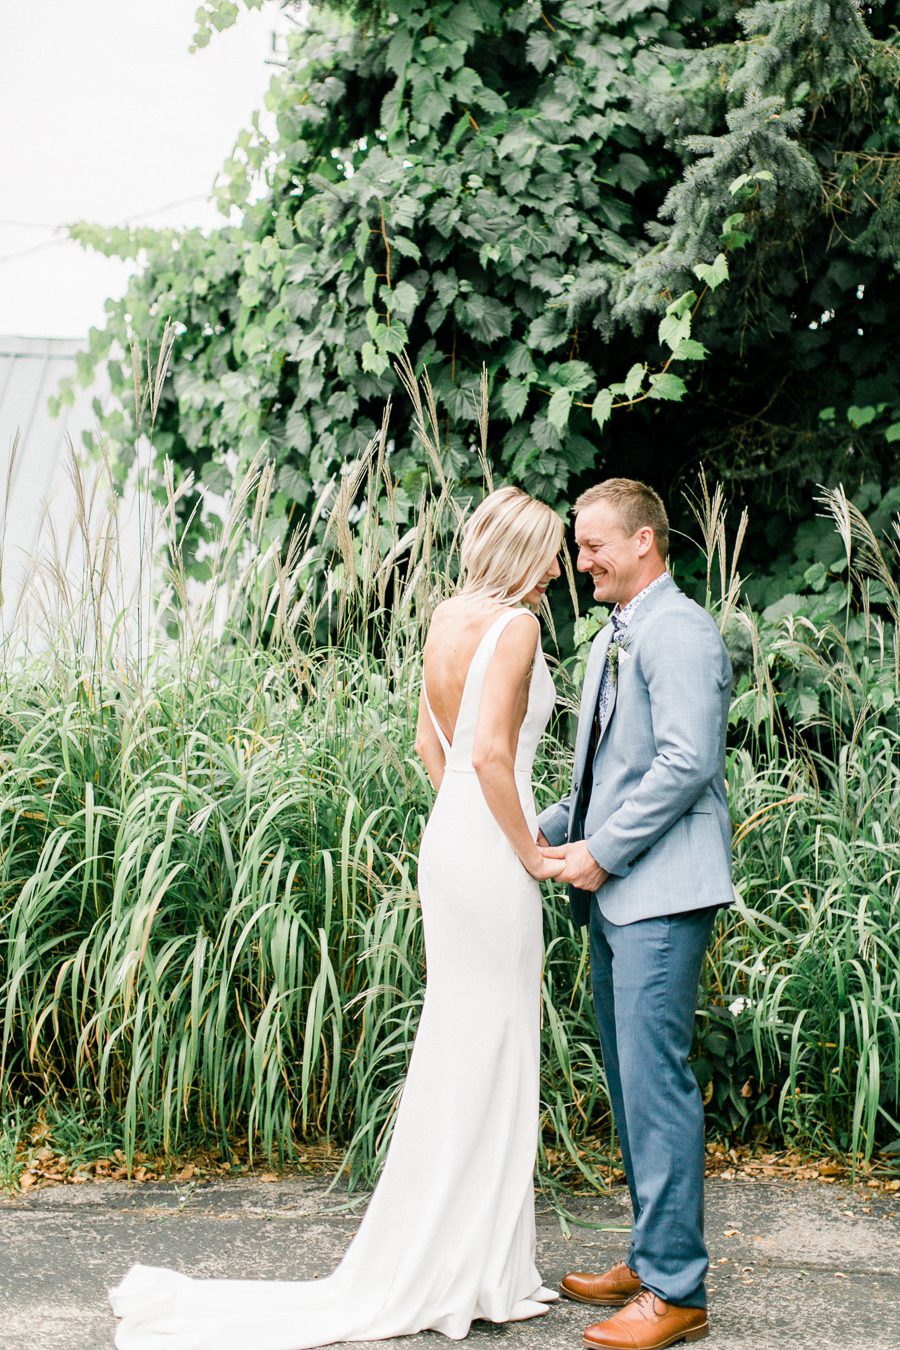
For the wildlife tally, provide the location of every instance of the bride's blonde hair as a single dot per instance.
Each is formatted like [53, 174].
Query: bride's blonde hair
[508, 543]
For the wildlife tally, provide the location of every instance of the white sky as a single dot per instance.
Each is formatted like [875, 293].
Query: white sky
[107, 117]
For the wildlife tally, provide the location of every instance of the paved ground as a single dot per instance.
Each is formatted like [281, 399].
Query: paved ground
[796, 1266]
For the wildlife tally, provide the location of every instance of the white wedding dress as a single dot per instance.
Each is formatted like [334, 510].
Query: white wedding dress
[449, 1233]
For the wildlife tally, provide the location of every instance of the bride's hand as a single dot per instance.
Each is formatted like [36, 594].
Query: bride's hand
[545, 869]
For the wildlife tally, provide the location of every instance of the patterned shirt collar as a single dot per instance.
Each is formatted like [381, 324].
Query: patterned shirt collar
[622, 615]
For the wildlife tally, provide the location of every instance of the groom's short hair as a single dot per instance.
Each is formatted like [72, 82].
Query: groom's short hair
[637, 505]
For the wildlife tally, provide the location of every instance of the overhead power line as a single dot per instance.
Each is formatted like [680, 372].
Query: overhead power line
[28, 225]
[128, 220]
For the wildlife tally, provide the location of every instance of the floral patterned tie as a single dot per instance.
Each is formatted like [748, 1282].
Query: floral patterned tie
[606, 682]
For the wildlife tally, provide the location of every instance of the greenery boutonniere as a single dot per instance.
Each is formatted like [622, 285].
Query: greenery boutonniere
[616, 647]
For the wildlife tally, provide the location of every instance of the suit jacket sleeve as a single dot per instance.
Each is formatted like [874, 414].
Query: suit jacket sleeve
[686, 669]
[554, 821]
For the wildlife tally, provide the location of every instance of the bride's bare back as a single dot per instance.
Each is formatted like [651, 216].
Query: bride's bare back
[457, 627]
[457, 631]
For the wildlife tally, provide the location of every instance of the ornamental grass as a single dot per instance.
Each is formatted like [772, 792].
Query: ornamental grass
[210, 811]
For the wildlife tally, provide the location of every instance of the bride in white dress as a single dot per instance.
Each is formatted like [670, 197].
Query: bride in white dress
[449, 1233]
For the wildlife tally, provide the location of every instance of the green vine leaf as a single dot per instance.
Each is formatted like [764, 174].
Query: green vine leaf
[714, 273]
[689, 349]
[559, 408]
[668, 386]
[602, 407]
[675, 329]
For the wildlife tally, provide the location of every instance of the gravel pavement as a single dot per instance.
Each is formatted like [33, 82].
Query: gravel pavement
[795, 1265]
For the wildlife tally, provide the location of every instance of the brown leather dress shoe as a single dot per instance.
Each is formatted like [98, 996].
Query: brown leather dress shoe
[648, 1323]
[613, 1288]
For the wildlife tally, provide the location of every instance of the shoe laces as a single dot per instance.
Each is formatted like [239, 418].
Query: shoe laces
[647, 1301]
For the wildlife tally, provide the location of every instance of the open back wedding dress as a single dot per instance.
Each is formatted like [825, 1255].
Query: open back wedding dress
[449, 1232]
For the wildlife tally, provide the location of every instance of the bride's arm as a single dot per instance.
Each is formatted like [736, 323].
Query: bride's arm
[496, 738]
[428, 746]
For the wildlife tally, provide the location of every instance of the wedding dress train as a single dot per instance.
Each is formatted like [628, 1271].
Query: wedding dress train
[449, 1233]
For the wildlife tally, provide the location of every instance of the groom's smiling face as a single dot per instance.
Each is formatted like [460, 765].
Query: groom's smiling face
[617, 561]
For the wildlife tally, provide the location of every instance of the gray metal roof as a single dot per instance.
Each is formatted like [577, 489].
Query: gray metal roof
[41, 496]
[30, 371]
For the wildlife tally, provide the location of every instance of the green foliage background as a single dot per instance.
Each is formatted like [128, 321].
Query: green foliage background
[528, 187]
[209, 925]
[207, 891]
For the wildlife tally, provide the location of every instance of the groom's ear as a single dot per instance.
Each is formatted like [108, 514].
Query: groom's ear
[646, 540]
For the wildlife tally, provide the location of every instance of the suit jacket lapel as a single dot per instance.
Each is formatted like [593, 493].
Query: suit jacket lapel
[664, 589]
[593, 676]
[610, 702]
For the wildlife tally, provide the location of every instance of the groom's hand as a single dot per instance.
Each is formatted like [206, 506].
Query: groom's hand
[581, 868]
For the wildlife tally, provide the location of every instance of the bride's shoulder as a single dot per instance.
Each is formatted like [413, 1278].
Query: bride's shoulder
[445, 608]
[442, 616]
[457, 611]
[459, 616]
[522, 632]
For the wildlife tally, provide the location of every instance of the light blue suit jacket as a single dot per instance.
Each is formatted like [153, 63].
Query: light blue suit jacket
[657, 818]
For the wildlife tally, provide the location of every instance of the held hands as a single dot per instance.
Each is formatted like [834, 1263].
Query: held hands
[580, 868]
[544, 868]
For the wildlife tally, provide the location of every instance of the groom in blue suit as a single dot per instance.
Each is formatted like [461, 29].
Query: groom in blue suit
[646, 838]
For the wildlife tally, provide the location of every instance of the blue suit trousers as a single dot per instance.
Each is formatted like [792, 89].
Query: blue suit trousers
[645, 977]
